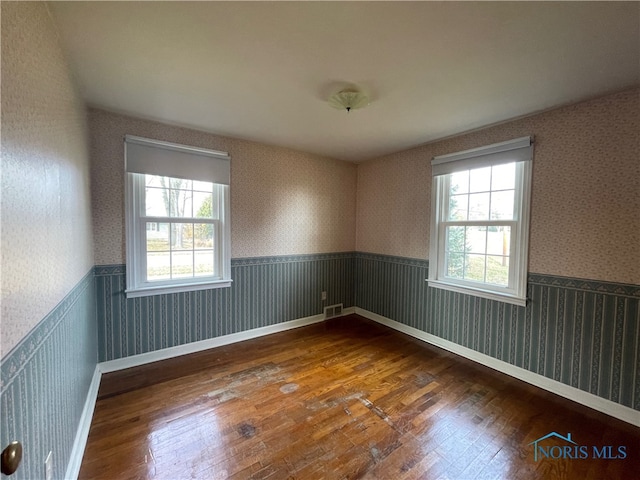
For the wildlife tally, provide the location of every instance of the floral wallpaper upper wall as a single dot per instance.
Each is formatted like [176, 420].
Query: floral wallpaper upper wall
[47, 246]
[283, 202]
[585, 198]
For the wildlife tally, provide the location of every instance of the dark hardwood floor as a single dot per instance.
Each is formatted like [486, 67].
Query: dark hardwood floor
[347, 398]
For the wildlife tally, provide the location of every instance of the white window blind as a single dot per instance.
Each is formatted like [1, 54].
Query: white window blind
[155, 157]
[517, 150]
[178, 217]
[480, 220]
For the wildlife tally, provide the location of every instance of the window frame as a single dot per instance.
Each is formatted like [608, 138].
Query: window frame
[136, 219]
[521, 154]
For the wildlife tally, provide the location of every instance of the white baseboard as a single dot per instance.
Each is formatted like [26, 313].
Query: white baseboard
[171, 352]
[82, 434]
[590, 400]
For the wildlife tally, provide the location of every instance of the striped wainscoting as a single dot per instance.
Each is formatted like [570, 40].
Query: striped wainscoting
[582, 333]
[45, 382]
[265, 291]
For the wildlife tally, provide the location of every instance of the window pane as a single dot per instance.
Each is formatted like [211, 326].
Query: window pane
[180, 203]
[502, 205]
[181, 264]
[157, 236]
[479, 206]
[455, 265]
[455, 239]
[458, 205]
[203, 205]
[166, 196]
[164, 202]
[480, 180]
[474, 268]
[503, 177]
[181, 236]
[498, 270]
[158, 266]
[154, 202]
[476, 240]
[204, 263]
[499, 240]
[459, 182]
[203, 235]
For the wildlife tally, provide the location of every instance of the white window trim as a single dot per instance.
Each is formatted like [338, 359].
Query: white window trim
[520, 149]
[135, 222]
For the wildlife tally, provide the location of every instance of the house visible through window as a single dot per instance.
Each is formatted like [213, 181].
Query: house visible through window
[177, 210]
[480, 221]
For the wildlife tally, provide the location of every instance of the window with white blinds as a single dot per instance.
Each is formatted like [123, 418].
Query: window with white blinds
[177, 217]
[480, 220]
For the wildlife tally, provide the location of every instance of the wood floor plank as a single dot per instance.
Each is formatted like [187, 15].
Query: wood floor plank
[347, 398]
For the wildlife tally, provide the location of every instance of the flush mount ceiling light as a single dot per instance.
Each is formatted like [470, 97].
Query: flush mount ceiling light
[348, 99]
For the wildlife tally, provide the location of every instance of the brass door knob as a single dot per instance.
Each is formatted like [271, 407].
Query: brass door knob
[11, 457]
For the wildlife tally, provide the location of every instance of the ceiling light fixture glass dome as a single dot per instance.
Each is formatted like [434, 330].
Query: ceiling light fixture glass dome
[348, 99]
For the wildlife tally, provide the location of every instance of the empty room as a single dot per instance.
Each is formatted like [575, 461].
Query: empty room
[320, 240]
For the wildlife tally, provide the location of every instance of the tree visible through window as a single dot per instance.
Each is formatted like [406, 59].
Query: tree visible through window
[181, 227]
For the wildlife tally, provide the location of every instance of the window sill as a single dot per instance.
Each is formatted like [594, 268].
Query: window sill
[478, 292]
[187, 287]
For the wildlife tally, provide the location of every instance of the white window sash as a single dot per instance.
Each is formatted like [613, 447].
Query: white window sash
[511, 286]
[146, 283]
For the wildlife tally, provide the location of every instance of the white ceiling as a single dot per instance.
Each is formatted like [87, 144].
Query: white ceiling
[263, 70]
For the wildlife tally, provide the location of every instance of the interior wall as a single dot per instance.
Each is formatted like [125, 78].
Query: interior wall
[49, 339]
[46, 219]
[583, 333]
[292, 220]
[585, 192]
[283, 202]
[581, 323]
